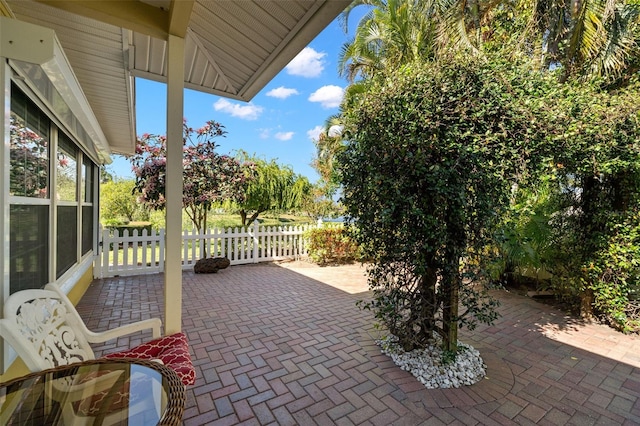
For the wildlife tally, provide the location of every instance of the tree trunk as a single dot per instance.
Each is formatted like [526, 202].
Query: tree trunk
[428, 307]
[621, 192]
[243, 217]
[586, 304]
[254, 216]
[450, 312]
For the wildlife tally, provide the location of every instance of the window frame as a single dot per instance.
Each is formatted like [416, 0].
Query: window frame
[84, 164]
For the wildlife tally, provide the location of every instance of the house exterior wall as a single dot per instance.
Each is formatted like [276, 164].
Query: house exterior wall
[50, 179]
[80, 287]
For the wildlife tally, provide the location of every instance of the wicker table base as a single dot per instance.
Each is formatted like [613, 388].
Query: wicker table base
[116, 391]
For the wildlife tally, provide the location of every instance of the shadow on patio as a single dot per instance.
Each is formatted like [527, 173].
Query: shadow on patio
[279, 345]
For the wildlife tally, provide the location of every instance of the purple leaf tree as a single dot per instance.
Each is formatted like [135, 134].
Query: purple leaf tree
[208, 176]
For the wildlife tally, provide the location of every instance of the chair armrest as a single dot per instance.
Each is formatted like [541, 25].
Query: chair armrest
[98, 337]
[151, 323]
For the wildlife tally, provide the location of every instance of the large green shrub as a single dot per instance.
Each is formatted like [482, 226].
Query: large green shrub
[595, 164]
[331, 245]
[431, 154]
[119, 204]
[615, 275]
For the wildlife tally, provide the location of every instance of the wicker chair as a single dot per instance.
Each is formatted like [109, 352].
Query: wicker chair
[46, 331]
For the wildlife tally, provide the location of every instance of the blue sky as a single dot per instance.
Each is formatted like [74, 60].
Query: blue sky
[279, 123]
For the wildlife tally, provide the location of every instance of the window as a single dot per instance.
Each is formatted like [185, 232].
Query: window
[66, 170]
[39, 152]
[29, 148]
[66, 195]
[28, 246]
[29, 134]
[67, 238]
[87, 182]
[87, 229]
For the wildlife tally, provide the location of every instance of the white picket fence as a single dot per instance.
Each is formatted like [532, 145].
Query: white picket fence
[144, 252]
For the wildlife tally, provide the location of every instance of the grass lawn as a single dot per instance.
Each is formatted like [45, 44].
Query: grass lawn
[225, 220]
[221, 220]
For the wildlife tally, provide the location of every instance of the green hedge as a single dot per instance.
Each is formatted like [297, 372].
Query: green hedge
[331, 245]
[138, 226]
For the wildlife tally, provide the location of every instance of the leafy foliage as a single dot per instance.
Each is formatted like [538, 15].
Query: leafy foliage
[589, 180]
[576, 181]
[525, 240]
[272, 188]
[328, 145]
[596, 37]
[615, 274]
[393, 32]
[208, 176]
[431, 153]
[118, 202]
[331, 245]
[598, 175]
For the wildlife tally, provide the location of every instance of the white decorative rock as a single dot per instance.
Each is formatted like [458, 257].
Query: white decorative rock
[426, 364]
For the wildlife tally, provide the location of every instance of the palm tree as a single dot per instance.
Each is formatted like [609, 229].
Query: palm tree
[396, 32]
[328, 146]
[391, 33]
[619, 50]
[584, 37]
[587, 37]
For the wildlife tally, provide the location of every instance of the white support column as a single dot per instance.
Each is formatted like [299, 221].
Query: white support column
[5, 104]
[173, 184]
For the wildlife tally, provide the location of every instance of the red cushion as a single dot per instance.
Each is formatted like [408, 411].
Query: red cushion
[172, 350]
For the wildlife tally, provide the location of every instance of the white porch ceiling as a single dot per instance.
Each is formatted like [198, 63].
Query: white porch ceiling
[233, 47]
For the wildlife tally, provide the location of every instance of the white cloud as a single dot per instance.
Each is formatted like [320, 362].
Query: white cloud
[282, 92]
[315, 132]
[264, 133]
[246, 112]
[328, 96]
[284, 136]
[308, 63]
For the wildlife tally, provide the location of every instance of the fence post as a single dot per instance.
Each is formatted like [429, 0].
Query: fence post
[256, 242]
[99, 260]
[161, 259]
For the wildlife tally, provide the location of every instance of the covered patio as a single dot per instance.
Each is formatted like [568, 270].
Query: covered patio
[285, 344]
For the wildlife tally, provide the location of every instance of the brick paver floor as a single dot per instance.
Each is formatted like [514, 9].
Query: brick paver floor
[287, 345]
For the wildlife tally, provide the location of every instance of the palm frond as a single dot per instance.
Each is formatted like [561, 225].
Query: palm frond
[621, 44]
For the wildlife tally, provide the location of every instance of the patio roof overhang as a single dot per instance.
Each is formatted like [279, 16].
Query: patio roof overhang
[232, 48]
[224, 47]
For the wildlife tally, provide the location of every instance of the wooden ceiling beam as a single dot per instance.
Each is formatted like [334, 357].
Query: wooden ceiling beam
[179, 17]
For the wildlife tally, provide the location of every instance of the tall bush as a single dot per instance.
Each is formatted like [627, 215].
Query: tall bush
[431, 153]
[118, 202]
[208, 176]
[595, 164]
[615, 274]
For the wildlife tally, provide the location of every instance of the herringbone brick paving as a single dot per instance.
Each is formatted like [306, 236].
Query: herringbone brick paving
[274, 346]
